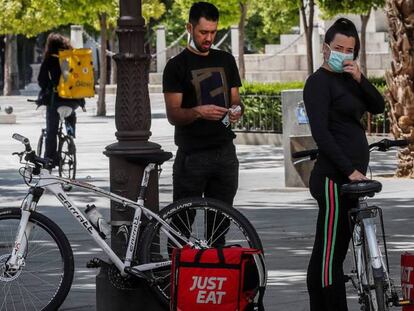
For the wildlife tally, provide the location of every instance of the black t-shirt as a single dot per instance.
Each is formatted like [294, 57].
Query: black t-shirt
[335, 103]
[202, 80]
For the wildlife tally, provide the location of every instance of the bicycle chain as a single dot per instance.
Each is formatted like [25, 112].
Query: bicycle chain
[121, 282]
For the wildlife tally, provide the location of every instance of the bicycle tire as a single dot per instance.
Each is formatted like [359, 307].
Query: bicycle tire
[147, 254]
[42, 292]
[40, 143]
[375, 285]
[67, 157]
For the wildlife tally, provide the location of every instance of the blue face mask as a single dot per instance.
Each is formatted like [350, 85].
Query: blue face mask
[336, 60]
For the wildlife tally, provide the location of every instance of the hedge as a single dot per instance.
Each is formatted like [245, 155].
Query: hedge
[263, 107]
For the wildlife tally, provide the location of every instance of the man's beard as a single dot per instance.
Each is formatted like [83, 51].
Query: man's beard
[196, 47]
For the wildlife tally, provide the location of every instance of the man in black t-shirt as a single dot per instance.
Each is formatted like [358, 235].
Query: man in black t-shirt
[201, 93]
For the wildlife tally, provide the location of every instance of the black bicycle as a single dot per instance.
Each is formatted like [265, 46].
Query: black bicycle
[370, 274]
[66, 144]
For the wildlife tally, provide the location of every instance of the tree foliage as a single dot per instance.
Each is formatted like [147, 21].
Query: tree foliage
[229, 11]
[31, 17]
[330, 8]
[278, 16]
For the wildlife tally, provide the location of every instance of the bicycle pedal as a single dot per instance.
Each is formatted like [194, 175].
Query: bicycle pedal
[93, 263]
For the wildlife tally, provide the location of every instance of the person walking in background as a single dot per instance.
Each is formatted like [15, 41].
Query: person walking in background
[201, 91]
[48, 80]
[336, 96]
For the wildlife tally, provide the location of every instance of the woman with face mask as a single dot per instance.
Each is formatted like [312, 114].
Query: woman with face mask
[336, 97]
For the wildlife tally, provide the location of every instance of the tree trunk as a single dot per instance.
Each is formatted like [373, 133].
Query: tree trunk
[101, 106]
[114, 50]
[308, 29]
[11, 71]
[242, 22]
[400, 78]
[363, 59]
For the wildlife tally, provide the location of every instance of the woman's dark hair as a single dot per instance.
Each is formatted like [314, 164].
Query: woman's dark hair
[56, 42]
[344, 27]
[203, 9]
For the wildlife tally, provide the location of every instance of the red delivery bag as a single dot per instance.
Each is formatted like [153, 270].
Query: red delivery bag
[407, 279]
[219, 279]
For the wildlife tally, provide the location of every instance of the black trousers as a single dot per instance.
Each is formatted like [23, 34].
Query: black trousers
[52, 126]
[325, 278]
[209, 173]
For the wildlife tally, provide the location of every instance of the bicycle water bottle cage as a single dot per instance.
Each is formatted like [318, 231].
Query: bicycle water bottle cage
[362, 188]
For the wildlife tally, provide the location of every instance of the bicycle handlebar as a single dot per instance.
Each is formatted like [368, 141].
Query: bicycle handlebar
[25, 141]
[382, 145]
[30, 154]
[312, 153]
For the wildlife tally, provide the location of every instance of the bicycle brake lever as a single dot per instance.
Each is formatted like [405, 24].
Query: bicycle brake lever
[19, 154]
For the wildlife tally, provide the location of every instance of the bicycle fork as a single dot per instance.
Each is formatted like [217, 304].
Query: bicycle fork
[17, 256]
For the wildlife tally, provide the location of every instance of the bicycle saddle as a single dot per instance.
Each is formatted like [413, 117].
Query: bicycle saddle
[362, 188]
[64, 111]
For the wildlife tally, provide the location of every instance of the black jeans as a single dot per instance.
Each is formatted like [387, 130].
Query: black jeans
[212, 173]
[325, 279]
[52, 126]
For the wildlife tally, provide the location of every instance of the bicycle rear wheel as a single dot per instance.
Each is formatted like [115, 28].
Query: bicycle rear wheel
[376, 286]
[67, 157]
[44, 280]
[206, 222]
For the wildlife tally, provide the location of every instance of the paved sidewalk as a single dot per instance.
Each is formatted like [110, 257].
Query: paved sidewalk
[284, 217]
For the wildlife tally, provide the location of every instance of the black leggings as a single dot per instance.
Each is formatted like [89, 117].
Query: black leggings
[52, 127]
[325, 279]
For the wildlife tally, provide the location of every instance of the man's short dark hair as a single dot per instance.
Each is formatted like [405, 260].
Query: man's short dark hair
[344, 27]
[203, 9]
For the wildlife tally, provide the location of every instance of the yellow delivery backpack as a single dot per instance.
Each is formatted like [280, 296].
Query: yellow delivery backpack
[76, 80]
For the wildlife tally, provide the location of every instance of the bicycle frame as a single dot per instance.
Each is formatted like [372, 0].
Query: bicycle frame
[52, 183]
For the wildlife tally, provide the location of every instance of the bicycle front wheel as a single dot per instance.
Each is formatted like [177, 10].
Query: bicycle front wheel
[205, 222]
[67, 157]
[41, 143]
[45, 276]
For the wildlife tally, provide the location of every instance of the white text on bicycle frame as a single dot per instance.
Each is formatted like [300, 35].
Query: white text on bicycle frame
[209, 289]
[405, 282]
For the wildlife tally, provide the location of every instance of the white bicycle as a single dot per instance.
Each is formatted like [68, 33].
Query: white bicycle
[370, 274]
[36, 259]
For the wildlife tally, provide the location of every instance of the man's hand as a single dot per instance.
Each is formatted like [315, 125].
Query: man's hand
[352, 68]
[210, 112]
[357, 175]
[235, 113]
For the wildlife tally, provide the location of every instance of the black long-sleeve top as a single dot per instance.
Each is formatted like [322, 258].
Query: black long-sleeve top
[49, 76]
[49, 73]
[335, 104]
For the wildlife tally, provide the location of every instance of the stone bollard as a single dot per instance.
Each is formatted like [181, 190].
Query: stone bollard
[7, 116]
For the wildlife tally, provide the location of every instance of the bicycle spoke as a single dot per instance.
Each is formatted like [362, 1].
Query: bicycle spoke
[36, 283]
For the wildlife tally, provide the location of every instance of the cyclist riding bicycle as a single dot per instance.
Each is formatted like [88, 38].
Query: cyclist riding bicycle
[48, 80]
[336, 96]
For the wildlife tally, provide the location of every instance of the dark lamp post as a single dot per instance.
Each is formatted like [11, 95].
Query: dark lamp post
[133, 122]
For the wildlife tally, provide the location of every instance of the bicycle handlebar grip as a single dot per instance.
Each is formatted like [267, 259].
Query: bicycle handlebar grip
[23, 140]
[304, 153]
